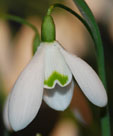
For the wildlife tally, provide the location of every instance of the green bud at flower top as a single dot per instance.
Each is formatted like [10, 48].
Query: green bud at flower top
[48, 29]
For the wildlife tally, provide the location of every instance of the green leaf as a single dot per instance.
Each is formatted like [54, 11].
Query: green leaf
[89, 18]
[94, 31]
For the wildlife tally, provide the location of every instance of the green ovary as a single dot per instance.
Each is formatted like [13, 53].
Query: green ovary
[56, 76]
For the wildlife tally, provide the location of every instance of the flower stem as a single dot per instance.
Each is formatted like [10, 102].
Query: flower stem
[105, 121]
[36, 40]
[51, 8]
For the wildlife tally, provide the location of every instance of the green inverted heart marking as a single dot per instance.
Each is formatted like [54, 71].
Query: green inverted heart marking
[56, 76]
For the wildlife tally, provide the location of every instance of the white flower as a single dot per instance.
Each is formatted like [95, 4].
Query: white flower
[49, 76]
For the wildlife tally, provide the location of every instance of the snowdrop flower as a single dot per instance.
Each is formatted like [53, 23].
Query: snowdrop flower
[50, 76]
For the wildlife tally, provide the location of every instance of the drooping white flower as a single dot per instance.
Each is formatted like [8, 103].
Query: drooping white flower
[49, 76]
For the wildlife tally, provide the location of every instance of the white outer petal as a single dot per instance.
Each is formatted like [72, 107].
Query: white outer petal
[5, 115]
[26, 95]
[59, 98]
[87, 78]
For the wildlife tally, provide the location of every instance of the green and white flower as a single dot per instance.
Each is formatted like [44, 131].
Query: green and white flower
[50, 76]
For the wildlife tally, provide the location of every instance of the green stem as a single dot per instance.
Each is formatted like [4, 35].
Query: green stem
[105, 122]
[72, 12]
[36, 40]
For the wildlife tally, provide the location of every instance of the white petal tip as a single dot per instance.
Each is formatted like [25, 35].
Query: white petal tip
[101, 100]
[59, 98]
[17, 127]
[15, 124]
[60, 108]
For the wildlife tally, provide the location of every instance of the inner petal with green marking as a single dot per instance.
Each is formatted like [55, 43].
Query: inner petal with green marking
[55, 76]
[56, 69]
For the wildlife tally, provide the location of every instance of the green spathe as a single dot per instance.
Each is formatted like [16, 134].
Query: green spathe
[56, 76]
[48, 29]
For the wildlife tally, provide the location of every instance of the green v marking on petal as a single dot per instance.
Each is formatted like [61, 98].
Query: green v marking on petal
[56, 76]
